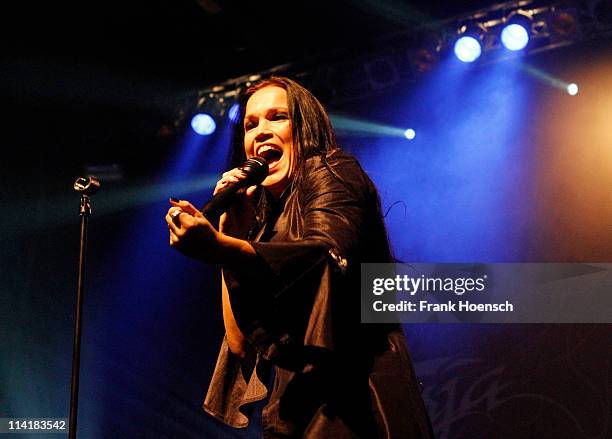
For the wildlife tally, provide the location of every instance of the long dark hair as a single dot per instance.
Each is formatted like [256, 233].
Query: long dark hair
[312, 134]
[312, 131]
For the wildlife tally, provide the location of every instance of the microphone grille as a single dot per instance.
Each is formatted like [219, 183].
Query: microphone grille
[256, 169]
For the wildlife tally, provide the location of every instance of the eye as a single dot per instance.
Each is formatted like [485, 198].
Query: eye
[280, 116]
[249, 125]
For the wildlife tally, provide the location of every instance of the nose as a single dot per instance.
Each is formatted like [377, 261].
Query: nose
[263, 131]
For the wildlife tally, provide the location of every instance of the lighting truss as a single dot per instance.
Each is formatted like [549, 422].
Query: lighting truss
[403, 57]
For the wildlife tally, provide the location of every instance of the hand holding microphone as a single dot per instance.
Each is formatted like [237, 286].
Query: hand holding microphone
[190, 229]
[252, 172]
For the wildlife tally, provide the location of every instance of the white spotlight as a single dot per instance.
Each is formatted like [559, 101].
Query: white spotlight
[410, 134]
[515, 37]
[203, 124]
[468, 49]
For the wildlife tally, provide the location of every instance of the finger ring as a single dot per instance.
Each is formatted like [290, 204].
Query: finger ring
[175, 214]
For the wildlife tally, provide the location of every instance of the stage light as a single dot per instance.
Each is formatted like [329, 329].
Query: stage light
[410, 134]
[425, 53]
[203, 124]
[468, 47]
[515, 34]
[514, 37]
[572, 89]
[381, 72]
[234, 113]
[423, 60]
[563, 23]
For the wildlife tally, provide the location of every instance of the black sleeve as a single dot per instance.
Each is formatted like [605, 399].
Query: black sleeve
[333, 209]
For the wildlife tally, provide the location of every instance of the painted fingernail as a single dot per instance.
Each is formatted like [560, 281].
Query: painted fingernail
[176, 200]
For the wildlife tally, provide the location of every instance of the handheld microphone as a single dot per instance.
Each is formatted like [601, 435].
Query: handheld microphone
[256, 170]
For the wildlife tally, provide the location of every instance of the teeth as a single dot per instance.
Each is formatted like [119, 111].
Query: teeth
[266, 148]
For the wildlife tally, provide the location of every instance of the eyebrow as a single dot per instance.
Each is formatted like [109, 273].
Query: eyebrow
[246, 116]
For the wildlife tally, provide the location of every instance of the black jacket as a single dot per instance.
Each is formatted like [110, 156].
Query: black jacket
[300, 309]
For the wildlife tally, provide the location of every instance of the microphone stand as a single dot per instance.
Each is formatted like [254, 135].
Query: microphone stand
[86, 186]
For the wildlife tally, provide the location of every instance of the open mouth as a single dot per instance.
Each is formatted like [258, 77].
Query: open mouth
[270, 154]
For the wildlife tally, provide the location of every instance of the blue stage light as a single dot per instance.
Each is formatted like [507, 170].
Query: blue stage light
[468, 49]
[469, 44]
[203, 124]
[515, 34]
[410, 134]
[514, 37]
[234, 112]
